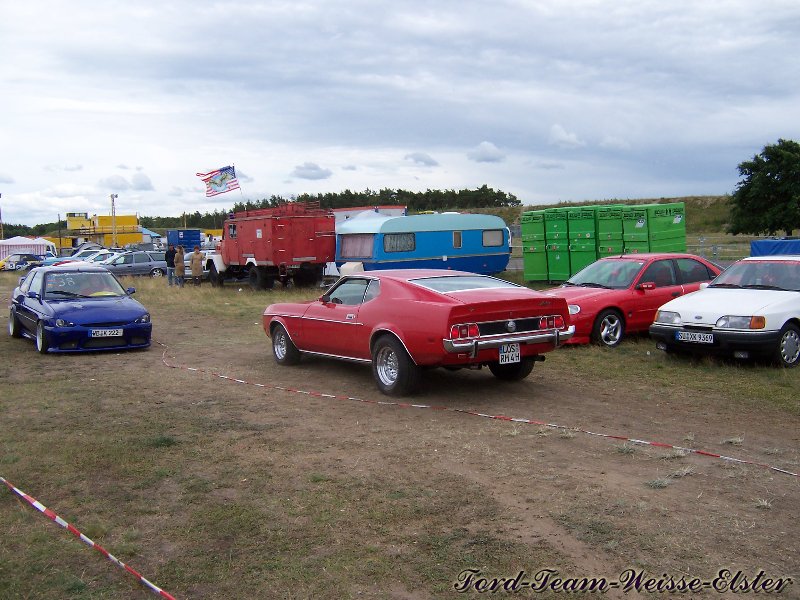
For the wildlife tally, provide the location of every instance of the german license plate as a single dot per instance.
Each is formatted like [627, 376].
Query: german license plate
[99, 333]
[695, 337]
[509, 353]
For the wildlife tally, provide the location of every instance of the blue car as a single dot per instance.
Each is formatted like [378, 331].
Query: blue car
[77, 309]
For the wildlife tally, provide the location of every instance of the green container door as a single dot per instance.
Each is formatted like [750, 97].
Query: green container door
[558, 268]
[534, 265]
[635, 224]
[532, 226]
[608, 220]
[636, 247]
[612, 248]
[555, 224]
[667, 222]
[581, 224]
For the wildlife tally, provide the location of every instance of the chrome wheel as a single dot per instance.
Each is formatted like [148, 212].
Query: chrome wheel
[283, 348]
[609, 328]
[41, 338]
[386, 366]
[789, 346]
[279, 345]
[156, 273]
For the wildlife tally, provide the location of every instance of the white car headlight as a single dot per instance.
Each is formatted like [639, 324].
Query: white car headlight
[668, 317]
[574, 309]
[737, 322]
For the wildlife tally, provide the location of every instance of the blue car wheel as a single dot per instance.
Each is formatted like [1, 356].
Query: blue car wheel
[41, 338]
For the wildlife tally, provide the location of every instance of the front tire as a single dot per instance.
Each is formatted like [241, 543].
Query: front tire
[393, 369]
[609, 329]
[41, 339]
[14, 329]
[283, 348]
[788, 351]
[156, 273]
[513, 371]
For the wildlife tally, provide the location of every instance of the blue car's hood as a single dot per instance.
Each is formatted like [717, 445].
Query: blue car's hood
[98, 310]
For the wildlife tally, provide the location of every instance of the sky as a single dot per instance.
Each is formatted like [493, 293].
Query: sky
[549, 100]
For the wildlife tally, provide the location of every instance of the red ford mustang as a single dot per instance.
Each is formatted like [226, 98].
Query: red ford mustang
[402, 321]
[620, 294]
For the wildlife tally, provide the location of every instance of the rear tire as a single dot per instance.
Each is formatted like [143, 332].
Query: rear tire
[394, 371]
[156, 273]
[214, 277]
[513, 371]
[283, 348]
[257, 278]
[609, 328]
[41, 339]
[14, 328]
[787, 354]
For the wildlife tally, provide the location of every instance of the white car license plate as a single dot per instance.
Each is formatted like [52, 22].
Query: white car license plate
[97, 333]
[694, 336]
[509, 353]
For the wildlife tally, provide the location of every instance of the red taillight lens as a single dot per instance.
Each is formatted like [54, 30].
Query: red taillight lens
[464, 331]
[553, 322]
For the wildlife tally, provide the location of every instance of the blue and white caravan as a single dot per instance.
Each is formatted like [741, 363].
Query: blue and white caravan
[462, 242]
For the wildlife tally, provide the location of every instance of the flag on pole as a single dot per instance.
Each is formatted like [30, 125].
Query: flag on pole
[220, 181]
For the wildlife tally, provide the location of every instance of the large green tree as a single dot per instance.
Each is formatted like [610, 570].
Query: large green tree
[767, 199]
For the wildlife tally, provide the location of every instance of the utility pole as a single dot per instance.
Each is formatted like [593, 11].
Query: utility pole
[114, 221]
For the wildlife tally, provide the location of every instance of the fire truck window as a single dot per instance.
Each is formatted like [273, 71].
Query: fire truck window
[232, 231]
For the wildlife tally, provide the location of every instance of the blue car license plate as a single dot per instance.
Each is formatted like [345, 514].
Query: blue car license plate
[509, 353]
[101, 333]
[694, 337]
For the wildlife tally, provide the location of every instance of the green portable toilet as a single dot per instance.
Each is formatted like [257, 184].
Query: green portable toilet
[555, 224]
[534, 254]
[558, 267]
[581, 223]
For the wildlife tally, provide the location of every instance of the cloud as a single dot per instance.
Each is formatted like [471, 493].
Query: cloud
[614, 143]
[311, 170]
[6, 179]
[349, 168]
[564, 139]
[67, 168]
[486, 152]
[116, 183]
[547, 165]
[141, 182]
[421, 159]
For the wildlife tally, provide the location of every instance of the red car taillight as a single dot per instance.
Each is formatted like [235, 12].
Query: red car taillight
[464, 331]
[552, 322]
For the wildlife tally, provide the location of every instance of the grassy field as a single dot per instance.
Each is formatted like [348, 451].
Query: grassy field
[214, 489]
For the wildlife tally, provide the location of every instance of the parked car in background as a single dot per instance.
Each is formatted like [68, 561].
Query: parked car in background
[752, 310]
[77, 308]
[188, 257]
[402, 321]
[618, 295]
[138, 263]
[80, 255]
[20, 261]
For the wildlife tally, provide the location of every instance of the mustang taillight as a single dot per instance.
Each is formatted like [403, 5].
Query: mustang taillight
[553, 322]
[464, 331]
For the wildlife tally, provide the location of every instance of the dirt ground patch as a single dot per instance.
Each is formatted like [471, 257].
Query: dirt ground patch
[216, 489]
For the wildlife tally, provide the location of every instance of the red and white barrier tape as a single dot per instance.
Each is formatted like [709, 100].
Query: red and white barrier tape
[58, 520]
[482, 415]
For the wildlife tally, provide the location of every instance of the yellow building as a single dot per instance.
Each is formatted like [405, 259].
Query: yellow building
[101, 229]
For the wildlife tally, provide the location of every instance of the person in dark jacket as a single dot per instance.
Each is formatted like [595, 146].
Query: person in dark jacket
[169, 256]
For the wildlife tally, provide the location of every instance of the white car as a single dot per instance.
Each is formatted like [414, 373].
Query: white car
[751, 310]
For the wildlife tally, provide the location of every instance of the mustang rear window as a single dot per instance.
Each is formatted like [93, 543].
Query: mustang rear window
[456, 283]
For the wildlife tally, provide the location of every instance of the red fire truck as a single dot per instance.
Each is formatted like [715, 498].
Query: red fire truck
[291, 242]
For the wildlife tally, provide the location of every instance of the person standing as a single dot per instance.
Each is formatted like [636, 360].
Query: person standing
[196, 265]
[169, 256]
[180, 266]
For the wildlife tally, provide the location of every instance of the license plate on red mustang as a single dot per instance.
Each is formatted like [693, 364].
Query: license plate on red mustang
[97, 333]
[509, 353]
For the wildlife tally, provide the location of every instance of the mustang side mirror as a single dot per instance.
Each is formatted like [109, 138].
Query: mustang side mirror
[647, 285]
[130, 291]
[325, 298]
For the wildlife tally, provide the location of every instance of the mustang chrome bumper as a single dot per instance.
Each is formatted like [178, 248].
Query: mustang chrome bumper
[554, 336]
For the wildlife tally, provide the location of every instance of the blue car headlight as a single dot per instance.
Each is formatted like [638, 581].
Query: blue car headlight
[145, 318]
[64, 323]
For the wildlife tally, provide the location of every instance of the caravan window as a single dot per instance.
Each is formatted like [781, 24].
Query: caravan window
[493, 237]
[456, 239]
[357, 245]
[399, 242]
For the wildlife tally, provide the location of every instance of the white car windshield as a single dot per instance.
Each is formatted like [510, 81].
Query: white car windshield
[761, 274]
